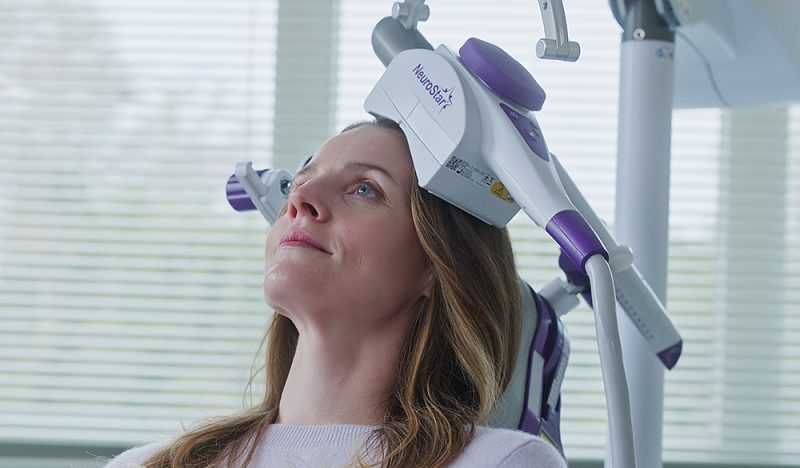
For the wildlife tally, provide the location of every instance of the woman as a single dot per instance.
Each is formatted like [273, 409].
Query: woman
[396, 324]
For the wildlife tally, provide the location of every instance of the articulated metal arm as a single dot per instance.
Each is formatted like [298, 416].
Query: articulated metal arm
[556, 44]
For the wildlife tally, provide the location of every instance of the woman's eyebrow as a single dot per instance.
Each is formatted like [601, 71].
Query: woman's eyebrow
[362, 166]
[350, 167]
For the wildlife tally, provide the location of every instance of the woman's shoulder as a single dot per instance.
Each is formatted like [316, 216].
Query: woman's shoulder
[506, 448]
[136, 456]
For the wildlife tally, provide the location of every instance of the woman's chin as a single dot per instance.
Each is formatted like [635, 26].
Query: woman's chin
[283, 286]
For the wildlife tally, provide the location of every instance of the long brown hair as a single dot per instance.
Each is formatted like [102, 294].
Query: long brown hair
[456, 362]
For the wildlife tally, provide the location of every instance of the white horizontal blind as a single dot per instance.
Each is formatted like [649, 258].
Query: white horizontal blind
[760, 400]
[712, 412]
[129, 290]
[790, 323]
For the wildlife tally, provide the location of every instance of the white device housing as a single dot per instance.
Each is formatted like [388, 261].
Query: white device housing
[448, 148]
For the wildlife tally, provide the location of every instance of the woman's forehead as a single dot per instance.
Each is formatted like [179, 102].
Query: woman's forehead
[367, 145]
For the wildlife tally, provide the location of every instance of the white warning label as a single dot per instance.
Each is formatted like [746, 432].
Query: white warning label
[468, 171]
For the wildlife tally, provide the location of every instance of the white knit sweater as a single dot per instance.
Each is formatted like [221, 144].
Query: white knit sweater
[336, 446]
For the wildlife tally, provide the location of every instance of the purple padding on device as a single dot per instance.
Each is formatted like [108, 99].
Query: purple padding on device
[670, 355]
[530, 423]
[237, 196]
[502, 74]
[550, 420]
[544, 418]
[551, 424]
[576, 276]
[575, 237]
[555, 347]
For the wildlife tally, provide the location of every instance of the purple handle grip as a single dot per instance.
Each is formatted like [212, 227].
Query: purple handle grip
[575, 237]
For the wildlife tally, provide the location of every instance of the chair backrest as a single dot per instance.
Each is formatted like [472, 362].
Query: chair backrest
[532, 401]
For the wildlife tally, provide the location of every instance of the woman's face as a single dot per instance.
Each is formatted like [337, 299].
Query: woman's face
[346, 252]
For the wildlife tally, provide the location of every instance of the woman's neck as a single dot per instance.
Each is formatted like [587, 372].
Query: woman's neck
[343, 378]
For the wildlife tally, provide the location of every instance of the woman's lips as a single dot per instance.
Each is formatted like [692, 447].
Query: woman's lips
[301, 239]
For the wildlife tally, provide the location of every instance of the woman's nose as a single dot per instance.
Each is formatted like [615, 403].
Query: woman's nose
[305, 200]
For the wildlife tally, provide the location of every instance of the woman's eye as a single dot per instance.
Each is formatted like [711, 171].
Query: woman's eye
[364, 189]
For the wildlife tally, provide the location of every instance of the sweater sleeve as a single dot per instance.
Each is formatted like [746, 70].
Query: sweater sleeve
[534, 454]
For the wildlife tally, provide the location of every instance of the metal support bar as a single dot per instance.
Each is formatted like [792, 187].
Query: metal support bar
[642, 201]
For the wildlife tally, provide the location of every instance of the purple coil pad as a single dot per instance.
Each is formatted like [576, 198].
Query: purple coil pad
[502, 74]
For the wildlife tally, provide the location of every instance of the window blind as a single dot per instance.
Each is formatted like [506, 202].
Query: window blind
[129, 297]
[130, 292]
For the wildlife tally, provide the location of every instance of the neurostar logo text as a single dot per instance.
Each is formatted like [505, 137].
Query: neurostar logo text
[442, 96]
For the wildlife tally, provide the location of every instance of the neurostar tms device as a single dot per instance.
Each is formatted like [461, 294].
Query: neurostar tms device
[476, 143]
